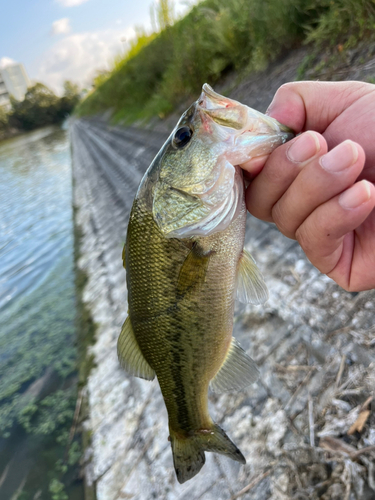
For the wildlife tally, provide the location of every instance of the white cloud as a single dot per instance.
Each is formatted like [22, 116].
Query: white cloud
[61, 26]
[78, 57]
[6, 61]
[70, 3]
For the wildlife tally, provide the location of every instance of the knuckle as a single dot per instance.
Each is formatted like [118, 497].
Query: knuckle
[257, 206]
[278, 167]
[305, 237]
[286, 87]
[282, 221]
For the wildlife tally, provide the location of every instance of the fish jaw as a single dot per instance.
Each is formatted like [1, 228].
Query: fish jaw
[244, 132]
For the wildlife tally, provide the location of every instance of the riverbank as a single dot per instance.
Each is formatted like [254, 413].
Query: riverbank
[164, 69]
[312, 341]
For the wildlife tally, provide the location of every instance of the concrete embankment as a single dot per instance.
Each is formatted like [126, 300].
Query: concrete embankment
[313, 342]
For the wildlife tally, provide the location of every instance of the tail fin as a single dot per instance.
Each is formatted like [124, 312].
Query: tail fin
[188, 453]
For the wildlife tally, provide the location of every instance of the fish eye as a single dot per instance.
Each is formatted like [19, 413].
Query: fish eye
[182, 137]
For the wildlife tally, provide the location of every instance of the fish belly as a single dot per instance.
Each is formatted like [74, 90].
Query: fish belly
[183, 336]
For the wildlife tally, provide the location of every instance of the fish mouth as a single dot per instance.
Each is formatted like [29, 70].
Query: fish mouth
[222, 110]
[238, 124]
[231, 114]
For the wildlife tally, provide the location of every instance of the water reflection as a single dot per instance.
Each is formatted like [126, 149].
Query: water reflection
[37, 309]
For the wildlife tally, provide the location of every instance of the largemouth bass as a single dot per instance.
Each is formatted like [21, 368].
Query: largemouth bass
[185, 263]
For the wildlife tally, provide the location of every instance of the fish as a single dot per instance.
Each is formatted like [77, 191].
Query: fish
[186, 265]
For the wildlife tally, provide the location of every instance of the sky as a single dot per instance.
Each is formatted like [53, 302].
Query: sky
[58, 40]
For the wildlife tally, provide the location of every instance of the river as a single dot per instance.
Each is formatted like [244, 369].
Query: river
[38, 357]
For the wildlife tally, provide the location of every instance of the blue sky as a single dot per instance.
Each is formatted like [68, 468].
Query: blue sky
[69, 39]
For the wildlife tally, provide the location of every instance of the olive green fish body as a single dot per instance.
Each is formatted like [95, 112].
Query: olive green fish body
[183, 329]
[185, 267]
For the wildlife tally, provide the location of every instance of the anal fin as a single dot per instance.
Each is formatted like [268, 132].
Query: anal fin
[130, 355]
[251, 288]
[237, 371]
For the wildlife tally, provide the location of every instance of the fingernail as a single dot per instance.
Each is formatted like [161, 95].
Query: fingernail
[341, 157]
[356, 195]
[270, 107]
[306, 146]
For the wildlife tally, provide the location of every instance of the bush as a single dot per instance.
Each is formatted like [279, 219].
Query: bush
[214, 37]
[4, 117]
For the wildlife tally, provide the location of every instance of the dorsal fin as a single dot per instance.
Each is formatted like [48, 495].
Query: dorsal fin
[251, 288]
[237, 371]
[130, 355]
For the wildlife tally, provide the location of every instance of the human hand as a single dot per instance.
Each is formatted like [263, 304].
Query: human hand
[324, 200]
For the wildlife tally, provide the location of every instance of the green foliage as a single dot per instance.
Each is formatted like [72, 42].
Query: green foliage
[40, 107]
[4, 118]
[162, 14]
[69, 100]
[85, 326]
[214, 37]
[37, 349]
[57, 490]
[134, 82]
[343, 21]
[52, 413]
[74, 454]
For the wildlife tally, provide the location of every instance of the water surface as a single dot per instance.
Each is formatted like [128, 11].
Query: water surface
[37, 314]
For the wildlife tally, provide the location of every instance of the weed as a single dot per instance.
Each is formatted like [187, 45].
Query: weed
[163, 69]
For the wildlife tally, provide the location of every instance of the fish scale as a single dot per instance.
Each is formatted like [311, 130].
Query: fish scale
[185, 322]
[185, 263]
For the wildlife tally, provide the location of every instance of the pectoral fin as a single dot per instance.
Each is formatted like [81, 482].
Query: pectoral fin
[251, 288]
[193, 270]
[130, 355]
[237, 371]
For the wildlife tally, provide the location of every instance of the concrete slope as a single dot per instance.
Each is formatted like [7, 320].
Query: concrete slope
[314, 344]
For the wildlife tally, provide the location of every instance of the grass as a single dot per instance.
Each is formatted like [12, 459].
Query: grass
[163, 69]
[86, 335]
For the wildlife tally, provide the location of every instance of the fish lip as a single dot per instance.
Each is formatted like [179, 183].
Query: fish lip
[212, 107]
[211, 99]
[222, 111]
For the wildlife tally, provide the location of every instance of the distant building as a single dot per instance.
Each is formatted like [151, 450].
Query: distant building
[13, 82]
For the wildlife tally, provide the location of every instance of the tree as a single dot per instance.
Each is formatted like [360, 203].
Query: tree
[162, 14]
[71, 90]
[42, 107]
[69, 100]
[4, 124]
[39, 107]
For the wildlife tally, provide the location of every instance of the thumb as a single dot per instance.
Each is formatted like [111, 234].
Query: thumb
[314, 105]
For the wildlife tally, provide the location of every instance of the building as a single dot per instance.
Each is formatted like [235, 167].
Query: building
[13, 82]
